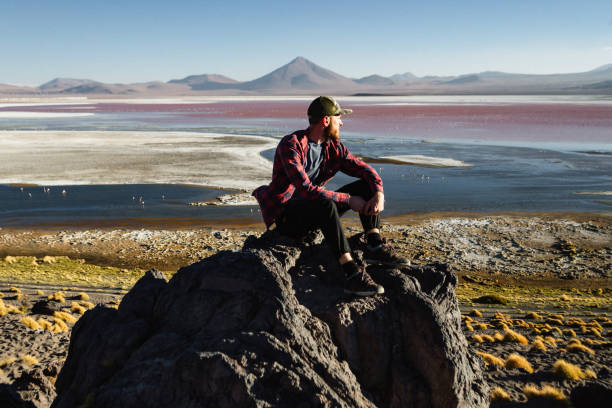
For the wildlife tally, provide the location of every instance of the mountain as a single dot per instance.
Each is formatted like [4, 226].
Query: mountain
[300, 74]
[603, 68]
[205, 81]
[60, 84]
[406, 76]
[8, 89]
[375, 80]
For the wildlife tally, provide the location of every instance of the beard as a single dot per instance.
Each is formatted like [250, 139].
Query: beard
[332, 133]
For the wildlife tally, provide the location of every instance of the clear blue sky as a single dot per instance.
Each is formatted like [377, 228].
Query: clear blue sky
[128, 41]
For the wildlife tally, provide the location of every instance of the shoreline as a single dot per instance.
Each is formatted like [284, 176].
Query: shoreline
[256, 222]
[563, 250]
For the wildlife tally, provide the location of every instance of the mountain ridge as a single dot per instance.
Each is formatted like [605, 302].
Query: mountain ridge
[302, 76]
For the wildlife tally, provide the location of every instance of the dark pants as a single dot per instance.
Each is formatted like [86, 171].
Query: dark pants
[301, 216]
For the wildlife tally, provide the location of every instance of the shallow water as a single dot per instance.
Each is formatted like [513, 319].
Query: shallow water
[523, 155]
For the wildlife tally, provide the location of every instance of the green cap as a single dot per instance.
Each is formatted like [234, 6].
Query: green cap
[325, 106]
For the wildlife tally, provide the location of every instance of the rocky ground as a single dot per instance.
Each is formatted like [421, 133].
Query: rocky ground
[558, 266]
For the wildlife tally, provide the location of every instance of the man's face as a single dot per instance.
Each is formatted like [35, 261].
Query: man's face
[332, 131]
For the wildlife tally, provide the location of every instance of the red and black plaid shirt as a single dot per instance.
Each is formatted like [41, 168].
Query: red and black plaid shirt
[289, 177]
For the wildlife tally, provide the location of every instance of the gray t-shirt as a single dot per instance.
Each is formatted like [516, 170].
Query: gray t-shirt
[313, 161]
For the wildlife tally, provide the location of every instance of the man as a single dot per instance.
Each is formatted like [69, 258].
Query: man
[296, 201]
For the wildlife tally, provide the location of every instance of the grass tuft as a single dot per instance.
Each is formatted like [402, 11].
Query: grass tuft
[491, 300]
[59, 297]
[515, 360]
[546, 392]
[567, 371]
[30, 323]
[67, 317]
[538, 344]
[498, 394]
[478, 338]
[476, 313]
[76, 308]
[490, 359]
[487, 338]
[579, 348]
[83, 296]
[512, 336]
[7, 361]
[28, 359]
[44, 324]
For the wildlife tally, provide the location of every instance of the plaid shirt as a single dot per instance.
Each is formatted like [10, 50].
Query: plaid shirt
[289, 177]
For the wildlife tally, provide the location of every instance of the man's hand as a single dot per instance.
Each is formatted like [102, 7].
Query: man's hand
[357, 203]
[375, 205]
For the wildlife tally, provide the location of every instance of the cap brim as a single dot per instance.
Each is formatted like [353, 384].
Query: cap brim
[344, 111]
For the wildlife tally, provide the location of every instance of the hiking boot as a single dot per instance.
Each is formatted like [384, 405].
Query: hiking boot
[384, 254]
[361, 284]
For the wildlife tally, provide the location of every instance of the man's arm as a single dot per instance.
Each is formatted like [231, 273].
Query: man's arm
[355, 167]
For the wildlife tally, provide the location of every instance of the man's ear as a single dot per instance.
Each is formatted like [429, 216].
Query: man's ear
[325, 121]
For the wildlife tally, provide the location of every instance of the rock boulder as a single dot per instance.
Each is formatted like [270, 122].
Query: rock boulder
[271, 326]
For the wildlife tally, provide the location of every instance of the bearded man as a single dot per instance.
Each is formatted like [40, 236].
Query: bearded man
[296, 201]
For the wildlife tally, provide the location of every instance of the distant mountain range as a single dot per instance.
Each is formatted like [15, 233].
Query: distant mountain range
[301, 77]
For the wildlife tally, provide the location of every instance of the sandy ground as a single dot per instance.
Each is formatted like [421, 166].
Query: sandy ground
[539, 252]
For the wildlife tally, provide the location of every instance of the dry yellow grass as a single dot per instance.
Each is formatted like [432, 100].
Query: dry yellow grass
[10, 259]
[59, 326]
[59, 297]
[48, 259]
[579, 348]
[546, 392]
[532, 315]
[87, 305]
[588, 373]
[30, 323]
[565, 298]
[490, 359]
[555, 321]
[40, 292]
[498, 394]
[7, 361]
[487, 338]
[567, 371]
[512, 336]
[14, 289]
[551, 341]
[498, 336]
[76, 308]
[67, 317]
[569, 332]
[476, 313]
[538, 344]
[8, 309]
[28, 359]
[83, 296]
[483, 326]
[469, 327]
[515, 360]
[44, 324]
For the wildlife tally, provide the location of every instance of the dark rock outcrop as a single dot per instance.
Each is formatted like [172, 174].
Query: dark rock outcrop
[270, 326]
[592, 394]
